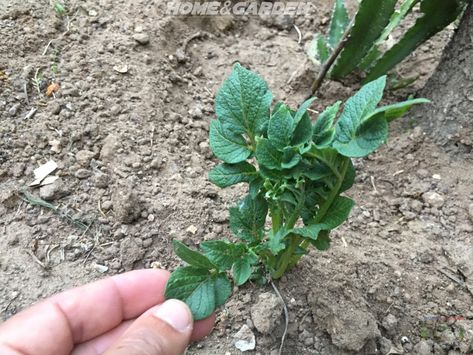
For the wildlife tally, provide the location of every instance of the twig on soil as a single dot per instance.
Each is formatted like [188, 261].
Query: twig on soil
[31, 113]
[47, 47]
[10, 302]
[299, 34]
[35, 258]
[373, 184]
[456, 280]
[32, 200]
[199, 34]
[286, 317]
[328, 64]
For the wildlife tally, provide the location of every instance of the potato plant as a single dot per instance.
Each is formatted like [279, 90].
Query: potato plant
[297, 172]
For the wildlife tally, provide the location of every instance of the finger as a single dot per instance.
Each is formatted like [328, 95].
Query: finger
[163, 330]
[56, 324]
[98, 345]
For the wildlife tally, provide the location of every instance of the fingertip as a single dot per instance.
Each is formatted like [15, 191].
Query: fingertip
[203, 327]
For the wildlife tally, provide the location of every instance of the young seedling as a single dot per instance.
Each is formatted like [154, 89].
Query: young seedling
[297, 172]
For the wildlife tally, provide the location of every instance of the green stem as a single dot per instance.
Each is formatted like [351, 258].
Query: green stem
[326, 206]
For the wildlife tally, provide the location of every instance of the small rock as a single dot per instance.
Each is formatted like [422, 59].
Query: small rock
[107, 205]
[266, 313]
[141, 38]
[245, 339]
[220, 216]
[470, 211]
[55, 145]
[422, 348]
[12, 111]
[13, 240]
[83, 157]
[101, 268]
[389, 323]
[110, 145]
[191, 229]
[196, 113]
[102, 180]
[130, 252]
[126, 206]
[82, 174]
[433, 199]
[53, 191]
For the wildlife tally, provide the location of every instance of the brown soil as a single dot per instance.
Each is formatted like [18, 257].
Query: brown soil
[133, 156]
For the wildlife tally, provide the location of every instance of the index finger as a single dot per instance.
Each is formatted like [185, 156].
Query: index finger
[53, 326]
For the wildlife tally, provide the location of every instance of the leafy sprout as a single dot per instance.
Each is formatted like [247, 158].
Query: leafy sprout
[296, 171]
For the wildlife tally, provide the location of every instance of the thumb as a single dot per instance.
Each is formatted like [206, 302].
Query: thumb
[162, 330]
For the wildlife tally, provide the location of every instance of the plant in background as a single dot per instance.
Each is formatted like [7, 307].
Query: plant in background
[357, 45]
[297, 172]
[59, 8]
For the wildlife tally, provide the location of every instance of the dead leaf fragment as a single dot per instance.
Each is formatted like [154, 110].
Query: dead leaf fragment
[43, 171]
[55, 145]
[191, 229]
[122, 68]
[52, 88]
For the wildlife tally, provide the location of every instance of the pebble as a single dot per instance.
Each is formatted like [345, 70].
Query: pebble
[102, 180]
[470, 211]
[13, 110]
[83, 157]
[433, 199]
[245, 339]
[101, 268]
[82, 174]
[389, 323]
[109, 147]
[53, 191]
[141, 38]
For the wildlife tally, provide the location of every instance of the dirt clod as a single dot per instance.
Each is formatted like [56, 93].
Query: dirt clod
[266, 313]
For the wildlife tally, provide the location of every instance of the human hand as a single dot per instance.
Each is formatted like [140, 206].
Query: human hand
[123, 314]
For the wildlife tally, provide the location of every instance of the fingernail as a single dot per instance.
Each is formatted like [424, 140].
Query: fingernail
[176, 314]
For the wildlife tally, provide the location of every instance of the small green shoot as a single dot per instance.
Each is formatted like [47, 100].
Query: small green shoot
[297, 172]
[59, 8]
[37, 81]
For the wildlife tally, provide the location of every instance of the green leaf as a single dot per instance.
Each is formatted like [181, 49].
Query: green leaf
[191, 257]
[437, 14]
[255, 186]
[355, 135]
[222, 254]
[371, 19]
[202, 291]
[275, 240]
[226, 145]
[349, 178]
[303, 132]
[290, 158]
[268, 155]
[335, 216]
[397, 110]
[374, 54]
[323, 50]
[322, 242]
[280, 128]
[225, 175]
[301, 111]
[338, 23]
[248, 218]
[242, 104]
[241, 269]
[318, 50]
[223, 289]
[323, 131]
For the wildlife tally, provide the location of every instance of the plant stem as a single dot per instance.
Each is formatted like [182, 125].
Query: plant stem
[326, 206]
[333, 56]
